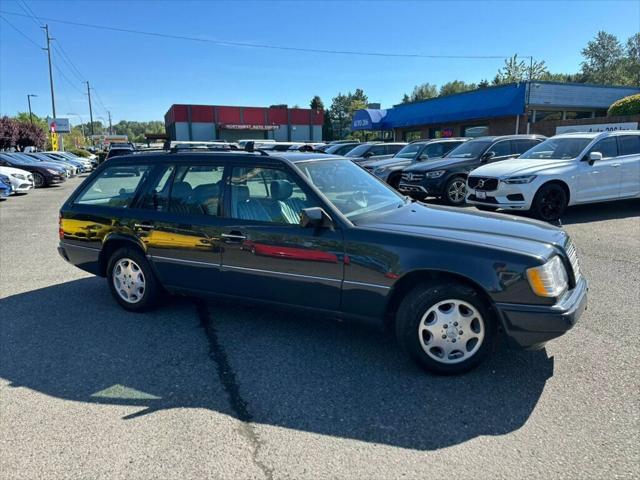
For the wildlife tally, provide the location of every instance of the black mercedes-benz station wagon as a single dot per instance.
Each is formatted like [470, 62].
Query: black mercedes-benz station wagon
[312, 231]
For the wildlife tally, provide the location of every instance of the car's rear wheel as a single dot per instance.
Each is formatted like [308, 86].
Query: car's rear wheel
[455, 191]
[132, 281]
[38, 180]
[550, 202]
[447, 329]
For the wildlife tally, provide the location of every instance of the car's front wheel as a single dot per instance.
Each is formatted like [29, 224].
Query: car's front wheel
[39, 180]
[455, 191]
[447, 329]
[131, 280]
[550, 202]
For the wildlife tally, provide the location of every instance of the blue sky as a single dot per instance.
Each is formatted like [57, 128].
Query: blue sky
[139, 77]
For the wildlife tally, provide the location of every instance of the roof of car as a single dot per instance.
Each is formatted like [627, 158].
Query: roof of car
[493, 138]
[443, 139]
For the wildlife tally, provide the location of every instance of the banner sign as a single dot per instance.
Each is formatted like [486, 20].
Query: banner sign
[60, 125]
[54, 141]
[597, 127]
[249, 127]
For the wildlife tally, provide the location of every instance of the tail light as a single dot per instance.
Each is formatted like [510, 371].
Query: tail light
[60, 230]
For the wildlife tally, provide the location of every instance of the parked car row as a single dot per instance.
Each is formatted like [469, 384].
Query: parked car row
[20, 172]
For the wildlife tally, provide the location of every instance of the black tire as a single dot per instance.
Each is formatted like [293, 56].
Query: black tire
[459, 185]
[550, 202]
[394, 181]
[485, 208]
[39, 180]
[144, 300]
[409, 322]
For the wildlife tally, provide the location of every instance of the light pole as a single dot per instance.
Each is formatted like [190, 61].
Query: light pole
[29, 95]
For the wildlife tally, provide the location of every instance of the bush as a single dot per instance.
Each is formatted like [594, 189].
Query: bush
[79, 152]
[625, 106]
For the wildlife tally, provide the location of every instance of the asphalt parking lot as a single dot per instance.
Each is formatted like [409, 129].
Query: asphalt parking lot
[212, 389]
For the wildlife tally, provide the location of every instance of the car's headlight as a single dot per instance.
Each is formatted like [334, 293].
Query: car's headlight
[548, 280]
[435, 174]
[19, 176]
[52, 171]
[519, 179]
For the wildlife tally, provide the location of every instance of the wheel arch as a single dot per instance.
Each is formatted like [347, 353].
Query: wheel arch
[557, 181]
[428, 276]
[113, 243]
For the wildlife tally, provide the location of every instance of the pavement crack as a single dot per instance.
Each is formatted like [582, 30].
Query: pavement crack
[229, 381]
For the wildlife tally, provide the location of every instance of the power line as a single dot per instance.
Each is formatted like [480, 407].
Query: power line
[226, 43]
[68, 61]
[30, 13]
[20, 32]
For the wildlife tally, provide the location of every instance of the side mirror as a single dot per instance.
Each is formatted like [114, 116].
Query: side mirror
[423, 157]
[368, 154]
[315, 217]
[594, 157]
[488, 156]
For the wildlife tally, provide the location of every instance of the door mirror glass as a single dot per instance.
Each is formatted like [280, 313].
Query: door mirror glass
[423, 157]
[368, 154]
[315, 217]
[488, 156]
[594, 157]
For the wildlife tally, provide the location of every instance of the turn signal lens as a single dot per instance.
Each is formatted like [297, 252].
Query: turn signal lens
[548, 280]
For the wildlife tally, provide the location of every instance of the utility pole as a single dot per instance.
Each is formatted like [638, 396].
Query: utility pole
[48, 49]
[90, 110]
[110, 130]
[29, 95]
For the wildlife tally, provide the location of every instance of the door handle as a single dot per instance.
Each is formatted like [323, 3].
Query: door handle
[616, 165]
[233, 236]
[143, 226]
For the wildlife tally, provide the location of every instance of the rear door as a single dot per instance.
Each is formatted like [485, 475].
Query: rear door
[179, 222]
[629, 159]
[267, 255]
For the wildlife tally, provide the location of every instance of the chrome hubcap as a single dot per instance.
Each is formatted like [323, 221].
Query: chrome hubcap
[128, 280]
[451, 331]
[457, 191]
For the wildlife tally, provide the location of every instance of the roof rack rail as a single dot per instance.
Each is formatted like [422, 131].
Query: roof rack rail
[212, 148]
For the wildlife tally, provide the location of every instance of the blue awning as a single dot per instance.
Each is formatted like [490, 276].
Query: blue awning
[490, 102]
[368, 119]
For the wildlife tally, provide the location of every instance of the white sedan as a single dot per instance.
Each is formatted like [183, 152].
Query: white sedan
[568, 169]
[21, 180]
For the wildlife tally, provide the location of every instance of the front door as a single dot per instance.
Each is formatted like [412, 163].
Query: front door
[600, 181]
[629, 159]
[267, 255]
[179, 222]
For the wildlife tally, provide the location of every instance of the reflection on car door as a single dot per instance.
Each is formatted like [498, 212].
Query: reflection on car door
[629, 150]
[179, 215]
[600, 181]
[266, 254]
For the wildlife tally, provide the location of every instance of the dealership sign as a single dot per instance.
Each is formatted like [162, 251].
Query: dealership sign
[249, 127]
[598, 127]
[59, 125]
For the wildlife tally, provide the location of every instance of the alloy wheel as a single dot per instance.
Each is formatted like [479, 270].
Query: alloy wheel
[451, 331]
[38, 180]
[457, 191]
[551, 204]
[128, 280]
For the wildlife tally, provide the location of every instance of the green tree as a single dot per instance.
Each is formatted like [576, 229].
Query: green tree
[339, 114]
[631, 64]
[316, 103]
[625, 106]
[515, 70]
[456, 86]
[421, 92]
[603, 59]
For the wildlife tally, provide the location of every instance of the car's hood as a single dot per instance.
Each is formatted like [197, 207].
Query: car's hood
[519, 166]
[387, 162]
[52, 165]
[10, 170]
[499, 230]
[439, 164]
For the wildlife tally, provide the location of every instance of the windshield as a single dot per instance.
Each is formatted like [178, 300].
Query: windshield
[351, 189]
[410, 150]
[558, 148]
[358, 151]
[471, 149]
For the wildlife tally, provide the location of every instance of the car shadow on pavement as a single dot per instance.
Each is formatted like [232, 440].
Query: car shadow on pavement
[596, 212]
[72, 341]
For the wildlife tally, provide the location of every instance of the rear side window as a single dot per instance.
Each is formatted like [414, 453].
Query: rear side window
[608, 147]
[196, 190]
[114, 187]
[156, 194]
[521, 146]
[629, 144]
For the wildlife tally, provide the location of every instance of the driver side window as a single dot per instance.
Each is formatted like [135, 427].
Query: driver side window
[608, 147]
[501, 149]
[266, 195]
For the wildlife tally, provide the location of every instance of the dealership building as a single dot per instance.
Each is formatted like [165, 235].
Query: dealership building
[212, 122]
[525, 107]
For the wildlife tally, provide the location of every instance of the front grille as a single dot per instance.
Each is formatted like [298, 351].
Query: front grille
[413, 177]
[483, 183]
[573, 258]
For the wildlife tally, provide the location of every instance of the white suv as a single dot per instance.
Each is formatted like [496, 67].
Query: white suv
[567, 169]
